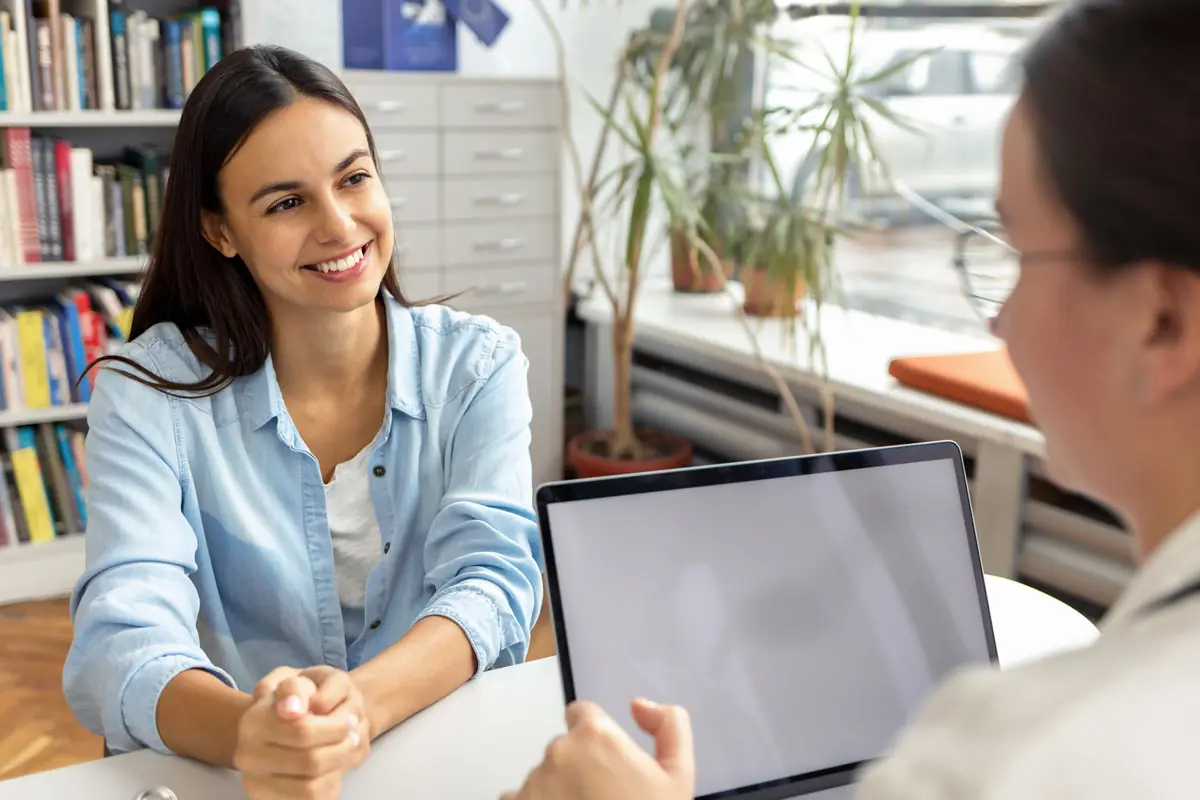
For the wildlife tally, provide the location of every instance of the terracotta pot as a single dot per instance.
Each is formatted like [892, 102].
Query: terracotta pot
[586, 453]
[770, 297]
[690, 271]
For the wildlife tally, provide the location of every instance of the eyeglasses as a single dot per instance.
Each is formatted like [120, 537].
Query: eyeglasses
[989, 267]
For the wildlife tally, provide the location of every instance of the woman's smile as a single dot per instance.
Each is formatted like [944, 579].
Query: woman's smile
[344, 267]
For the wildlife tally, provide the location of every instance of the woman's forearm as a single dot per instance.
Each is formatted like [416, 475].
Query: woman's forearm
[198, 717]
[432, 660]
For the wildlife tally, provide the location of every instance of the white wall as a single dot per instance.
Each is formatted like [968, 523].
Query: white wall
[594, 32]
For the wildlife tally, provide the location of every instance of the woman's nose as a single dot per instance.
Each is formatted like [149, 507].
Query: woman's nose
[337, 222]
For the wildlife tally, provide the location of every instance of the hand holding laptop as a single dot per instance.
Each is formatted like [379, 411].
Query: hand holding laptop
[597, 760]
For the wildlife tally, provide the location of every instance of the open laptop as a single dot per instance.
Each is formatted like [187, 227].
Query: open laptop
[801, 609]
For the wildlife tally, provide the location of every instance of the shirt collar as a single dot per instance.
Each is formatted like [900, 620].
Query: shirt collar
[264, 400]
[1173, 565]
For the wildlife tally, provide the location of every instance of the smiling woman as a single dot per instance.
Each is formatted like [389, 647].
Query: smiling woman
[310, 504]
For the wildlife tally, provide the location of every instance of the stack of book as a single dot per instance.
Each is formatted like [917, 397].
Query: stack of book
[42, 484]
[58, 204]
[44, 348]
[82, 55]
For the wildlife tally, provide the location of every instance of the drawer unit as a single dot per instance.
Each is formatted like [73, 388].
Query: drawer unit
[498, 197]
[541, 333]
[415, 201]
[520, 241]
[490, 105]
[490, 153]
[471, 167]
[419, 246]
[501, 285]
[419, 285]
[403, 155]
[392, 105]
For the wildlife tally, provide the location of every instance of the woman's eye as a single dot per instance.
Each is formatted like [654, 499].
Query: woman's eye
[358, 178]
[287, 204]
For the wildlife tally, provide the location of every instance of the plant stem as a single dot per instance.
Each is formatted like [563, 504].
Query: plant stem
[785, 391]
[585, 225]
[625, 443]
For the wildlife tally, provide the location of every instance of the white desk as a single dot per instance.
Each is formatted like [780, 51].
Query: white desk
[486, 737]
[702, 333]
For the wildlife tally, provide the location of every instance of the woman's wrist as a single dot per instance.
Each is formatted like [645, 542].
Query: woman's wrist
[198, 717]
[376, 709]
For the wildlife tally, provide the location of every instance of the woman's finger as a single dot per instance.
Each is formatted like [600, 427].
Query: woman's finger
[312, 762]
[312, 730]
[266, 686]
[333, 688]
[292, 697]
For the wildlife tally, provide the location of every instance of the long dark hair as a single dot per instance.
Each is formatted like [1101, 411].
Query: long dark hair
[213, 299]
[1113, 87]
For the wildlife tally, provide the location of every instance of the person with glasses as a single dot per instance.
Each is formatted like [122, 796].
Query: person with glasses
[1100, 311]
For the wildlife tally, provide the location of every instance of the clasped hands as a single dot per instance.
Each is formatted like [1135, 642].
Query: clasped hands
[305, 731]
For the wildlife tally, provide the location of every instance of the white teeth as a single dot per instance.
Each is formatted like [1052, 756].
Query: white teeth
[341, 264]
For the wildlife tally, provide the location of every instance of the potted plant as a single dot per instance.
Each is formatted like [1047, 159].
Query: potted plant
[649, 175]
[705, 99]
[713, 230]
[792, 233]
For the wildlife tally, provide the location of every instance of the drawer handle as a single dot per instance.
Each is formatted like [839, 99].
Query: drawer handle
[504, 107]
[392, 155]
[390, 106]
[498, 154]
[511, 287]
[502, 245]
[508, 200]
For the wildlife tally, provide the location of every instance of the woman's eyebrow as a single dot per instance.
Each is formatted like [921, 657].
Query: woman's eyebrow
[291, 186]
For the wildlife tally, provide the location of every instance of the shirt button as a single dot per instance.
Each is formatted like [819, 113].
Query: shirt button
[386, 546]
[380, 471]
[375, 624]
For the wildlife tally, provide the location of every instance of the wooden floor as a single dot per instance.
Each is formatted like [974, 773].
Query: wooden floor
[37, 730]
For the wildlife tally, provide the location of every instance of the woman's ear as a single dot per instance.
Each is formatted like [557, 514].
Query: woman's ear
[216, 234]
[1170, 360]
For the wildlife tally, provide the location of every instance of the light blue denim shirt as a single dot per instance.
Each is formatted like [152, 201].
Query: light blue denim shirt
[208, 544]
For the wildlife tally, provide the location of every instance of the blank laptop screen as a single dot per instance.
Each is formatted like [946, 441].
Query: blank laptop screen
[801, 619]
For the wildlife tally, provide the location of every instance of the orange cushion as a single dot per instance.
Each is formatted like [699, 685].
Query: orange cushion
[982, 380]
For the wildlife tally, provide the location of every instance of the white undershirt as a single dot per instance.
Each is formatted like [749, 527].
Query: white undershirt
[357, 539]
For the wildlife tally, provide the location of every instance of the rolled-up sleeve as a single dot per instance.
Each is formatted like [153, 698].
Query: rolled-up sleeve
[483, 553]
[135, 608]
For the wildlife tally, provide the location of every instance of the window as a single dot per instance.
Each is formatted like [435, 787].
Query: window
[954, 81]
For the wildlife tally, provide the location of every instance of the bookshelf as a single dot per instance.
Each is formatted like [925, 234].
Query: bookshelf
[39, 571]
[157, 118]
[71, 269]
[37, 416]
[91, 93]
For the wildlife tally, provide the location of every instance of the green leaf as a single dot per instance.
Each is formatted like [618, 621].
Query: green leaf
[610, 121]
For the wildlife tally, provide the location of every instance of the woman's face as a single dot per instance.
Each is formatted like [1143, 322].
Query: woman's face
[306, 211]
[1095, 350]
[1062, 323]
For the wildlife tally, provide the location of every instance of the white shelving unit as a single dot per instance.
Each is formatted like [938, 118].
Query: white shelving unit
[313, 27]
[60, 270]
[158, 118]
[36, 416]
[41, 570]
